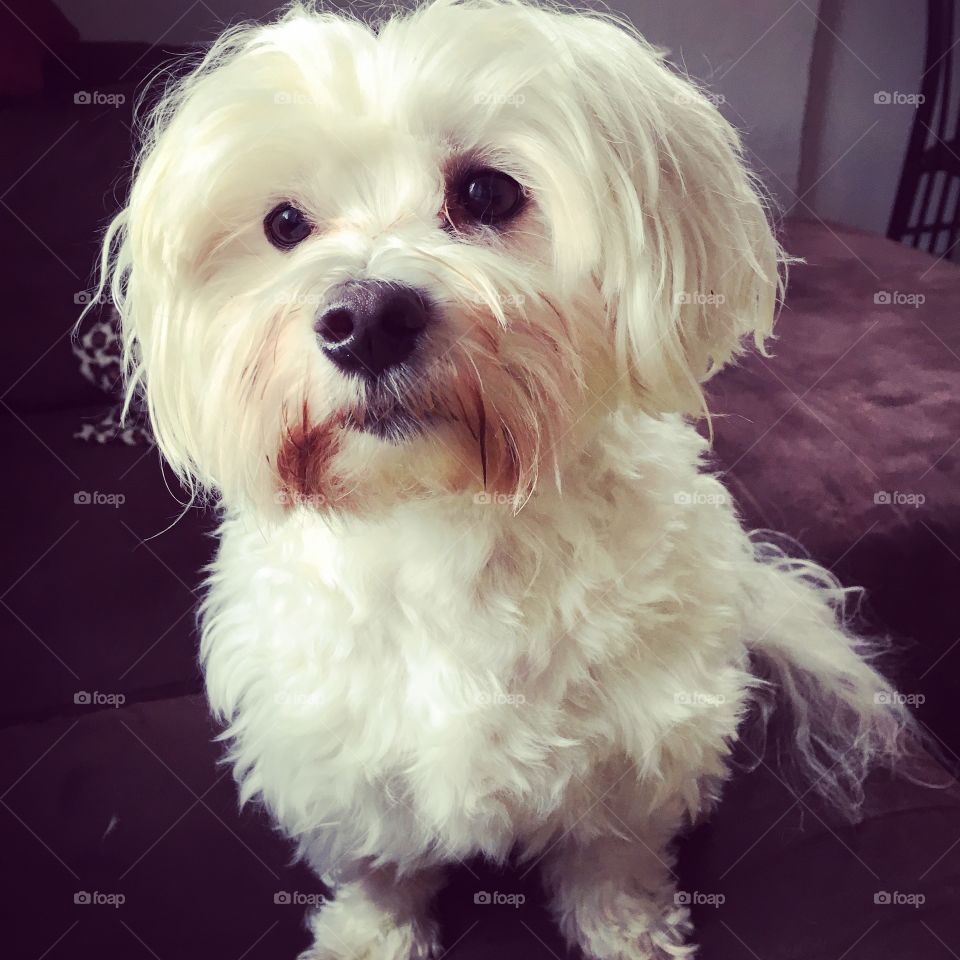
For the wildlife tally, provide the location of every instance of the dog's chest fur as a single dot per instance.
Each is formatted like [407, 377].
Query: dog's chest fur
[458, 677]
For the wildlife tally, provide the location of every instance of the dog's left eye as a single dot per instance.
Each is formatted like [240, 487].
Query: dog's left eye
[490, 196]
[286, 226]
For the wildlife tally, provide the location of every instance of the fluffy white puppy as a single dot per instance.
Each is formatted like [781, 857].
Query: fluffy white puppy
[427, 308]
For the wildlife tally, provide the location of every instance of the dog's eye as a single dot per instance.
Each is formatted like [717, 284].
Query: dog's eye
[490, 197]
[285, 226]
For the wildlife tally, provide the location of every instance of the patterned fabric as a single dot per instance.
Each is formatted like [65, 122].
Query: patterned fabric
[97, 347]
[109, 427]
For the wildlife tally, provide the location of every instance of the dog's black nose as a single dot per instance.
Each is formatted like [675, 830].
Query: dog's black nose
[369, 326]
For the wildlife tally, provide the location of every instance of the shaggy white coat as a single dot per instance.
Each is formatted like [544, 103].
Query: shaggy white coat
[534, 626]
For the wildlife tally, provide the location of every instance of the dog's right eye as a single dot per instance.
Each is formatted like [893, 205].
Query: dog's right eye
[490, 197]
[286, 226]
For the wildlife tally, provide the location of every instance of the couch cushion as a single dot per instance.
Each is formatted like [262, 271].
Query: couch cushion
[122, 839]
[99, 576]
[129, 803]
[848, 440]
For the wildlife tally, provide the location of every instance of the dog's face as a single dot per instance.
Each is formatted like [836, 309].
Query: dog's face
[362, 266]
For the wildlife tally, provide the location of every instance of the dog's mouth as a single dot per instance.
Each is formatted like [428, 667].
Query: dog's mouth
[397, 416]
[391, 420]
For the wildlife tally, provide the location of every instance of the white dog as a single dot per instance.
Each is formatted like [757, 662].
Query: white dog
[426, 308]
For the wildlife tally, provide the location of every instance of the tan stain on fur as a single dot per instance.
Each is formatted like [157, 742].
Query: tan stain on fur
[304, 462]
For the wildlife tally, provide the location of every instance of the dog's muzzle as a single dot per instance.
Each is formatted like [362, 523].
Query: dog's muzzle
[370, 326]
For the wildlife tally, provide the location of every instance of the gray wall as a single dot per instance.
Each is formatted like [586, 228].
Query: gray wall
[176, 22]
[755, 54]
[836, 156]
[853, 147]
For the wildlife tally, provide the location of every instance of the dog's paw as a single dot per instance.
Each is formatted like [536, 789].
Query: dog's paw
[360, 931]
[637, 929]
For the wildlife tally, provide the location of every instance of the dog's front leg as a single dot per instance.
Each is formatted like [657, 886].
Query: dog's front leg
[376, 915]
[616, 898]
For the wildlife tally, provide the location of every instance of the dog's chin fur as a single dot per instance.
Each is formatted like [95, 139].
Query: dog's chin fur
[492, 603]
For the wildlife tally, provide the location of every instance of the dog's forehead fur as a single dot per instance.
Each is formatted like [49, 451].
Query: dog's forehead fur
[427, 69]
[359, 121]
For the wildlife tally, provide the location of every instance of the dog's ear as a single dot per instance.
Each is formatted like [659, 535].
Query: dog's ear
[155, 252]
[199, 138]
[689, 263]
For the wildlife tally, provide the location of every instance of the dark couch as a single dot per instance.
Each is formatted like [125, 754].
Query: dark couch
[109, 779]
